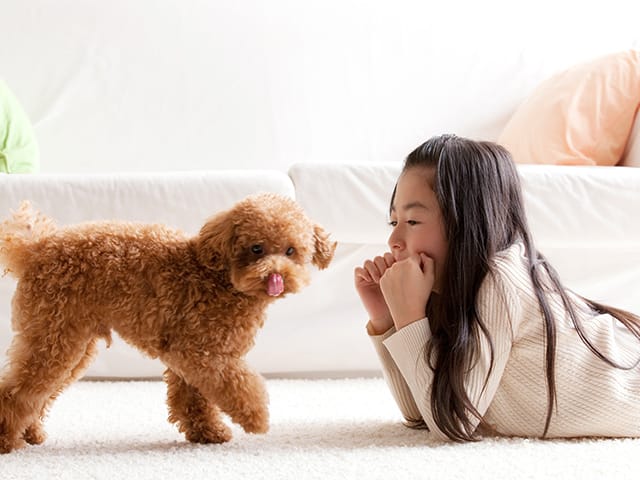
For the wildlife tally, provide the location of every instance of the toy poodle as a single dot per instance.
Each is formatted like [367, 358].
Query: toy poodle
[195, 303]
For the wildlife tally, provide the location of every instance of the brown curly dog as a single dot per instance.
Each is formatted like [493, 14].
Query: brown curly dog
[194, 303]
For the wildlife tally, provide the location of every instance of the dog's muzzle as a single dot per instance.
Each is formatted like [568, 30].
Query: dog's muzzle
[275, 284]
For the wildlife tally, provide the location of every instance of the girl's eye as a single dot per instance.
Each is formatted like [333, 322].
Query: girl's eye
[394, 223]
[257, 249]
[290, 251]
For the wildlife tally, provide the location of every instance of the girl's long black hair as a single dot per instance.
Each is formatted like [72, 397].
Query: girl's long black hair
[478, 189]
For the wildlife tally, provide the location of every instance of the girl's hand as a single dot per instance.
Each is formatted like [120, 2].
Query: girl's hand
[367, 283]
[406, 287]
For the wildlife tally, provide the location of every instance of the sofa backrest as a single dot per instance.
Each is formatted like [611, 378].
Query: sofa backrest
[124, 85]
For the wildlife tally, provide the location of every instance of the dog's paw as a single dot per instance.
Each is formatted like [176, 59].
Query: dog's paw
[34, 434]
[257, 422]
[7, 444]
[218, 433]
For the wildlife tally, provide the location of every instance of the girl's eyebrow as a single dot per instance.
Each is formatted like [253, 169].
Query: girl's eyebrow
[410, 205]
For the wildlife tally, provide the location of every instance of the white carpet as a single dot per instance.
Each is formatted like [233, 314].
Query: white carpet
[320, 429]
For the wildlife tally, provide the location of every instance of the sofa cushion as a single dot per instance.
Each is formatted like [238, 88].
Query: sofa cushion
[567, 207]
[178, 199]
[581, 116]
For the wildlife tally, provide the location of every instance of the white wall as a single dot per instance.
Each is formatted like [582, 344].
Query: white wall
[134, 85]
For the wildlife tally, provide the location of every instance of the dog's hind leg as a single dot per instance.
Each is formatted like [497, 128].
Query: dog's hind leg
[39, 364]
[194, 415]
[35, 434]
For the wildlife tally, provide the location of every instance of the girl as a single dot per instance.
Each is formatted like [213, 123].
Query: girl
[474, 330]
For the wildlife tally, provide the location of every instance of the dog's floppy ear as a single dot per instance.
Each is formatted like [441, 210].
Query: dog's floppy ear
[215, 241]
[324, 248]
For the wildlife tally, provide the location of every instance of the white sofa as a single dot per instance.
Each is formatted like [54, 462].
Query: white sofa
[583, 218]
[169, 111]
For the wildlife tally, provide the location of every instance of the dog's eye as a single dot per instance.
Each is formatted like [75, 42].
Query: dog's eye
[257, 249]
[290, 251]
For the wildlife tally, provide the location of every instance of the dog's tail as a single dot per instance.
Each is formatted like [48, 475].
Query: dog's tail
[25, 227]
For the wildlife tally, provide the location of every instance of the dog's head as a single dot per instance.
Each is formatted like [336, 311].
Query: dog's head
[265, 242]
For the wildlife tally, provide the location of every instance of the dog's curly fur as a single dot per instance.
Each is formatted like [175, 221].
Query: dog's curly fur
[195, 303]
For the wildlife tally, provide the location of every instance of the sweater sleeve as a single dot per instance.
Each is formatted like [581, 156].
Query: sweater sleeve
[407, 346]
[395, 381]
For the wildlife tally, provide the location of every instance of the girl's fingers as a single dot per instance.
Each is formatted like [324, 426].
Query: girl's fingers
[372, 270]
[426, 263]
[381, 264]
[363, 274]
[376, 268]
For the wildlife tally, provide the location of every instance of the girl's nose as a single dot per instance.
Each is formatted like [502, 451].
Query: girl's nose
[395, 242]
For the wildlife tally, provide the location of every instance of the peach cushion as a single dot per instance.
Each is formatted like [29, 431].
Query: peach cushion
[581, 116]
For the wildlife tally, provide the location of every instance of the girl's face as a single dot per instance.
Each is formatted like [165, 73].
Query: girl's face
[417, 222]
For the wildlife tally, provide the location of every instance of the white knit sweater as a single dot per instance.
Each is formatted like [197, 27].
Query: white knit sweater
[593, 398]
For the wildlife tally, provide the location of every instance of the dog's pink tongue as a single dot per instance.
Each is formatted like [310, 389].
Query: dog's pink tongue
[275, 284]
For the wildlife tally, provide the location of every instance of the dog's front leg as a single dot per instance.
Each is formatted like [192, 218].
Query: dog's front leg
[236, 389]
[243, 396]
[195, 415]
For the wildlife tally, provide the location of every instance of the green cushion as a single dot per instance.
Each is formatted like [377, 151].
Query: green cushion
[18, 147]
